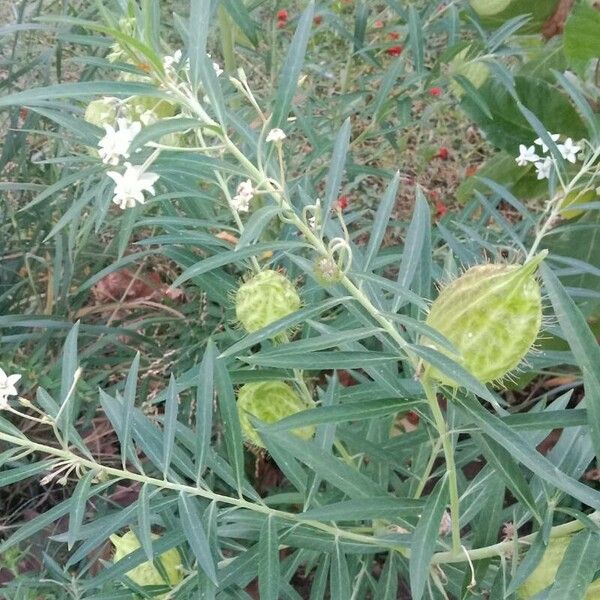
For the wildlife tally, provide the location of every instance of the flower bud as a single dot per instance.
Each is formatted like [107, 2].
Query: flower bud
[492, 315]
[146, 573]
[327, 271]
[269, 401]
[267, 297]
[545, 573]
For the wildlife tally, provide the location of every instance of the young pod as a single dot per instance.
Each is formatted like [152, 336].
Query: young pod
[269, 401]
[492, 315]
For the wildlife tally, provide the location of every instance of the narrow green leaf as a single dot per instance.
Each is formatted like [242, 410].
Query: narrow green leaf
[200, 13]
[583, 345]
[192, 527]
[322, 360]
[80, 90]
[341, 413]
[162, 127]
[268, 562]
[336, 170]
[255, 225]
[415, 33]
[128, 406]
[79, 502]
[508, 470]
[525, 453]
[578, 567]
[337, 473]
[361, 510]
[413, 246]
[232, 430]
[290, 71]
[532, 557]
[144, 527]
[225, 258]
[425, 538]
[381, 221]
[339, 575]
[170, 421]
[205, 393]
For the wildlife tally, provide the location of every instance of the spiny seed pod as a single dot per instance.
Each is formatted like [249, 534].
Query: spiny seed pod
[492, 315]
[327, 271]
[146, 573]
[545, 573]
[269, 401]
[265, 298]
[102, 111]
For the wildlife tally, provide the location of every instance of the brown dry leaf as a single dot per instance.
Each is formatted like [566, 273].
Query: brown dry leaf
[227, 237]
[124, 285]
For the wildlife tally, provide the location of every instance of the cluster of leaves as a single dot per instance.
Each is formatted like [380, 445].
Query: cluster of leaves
[359, 510]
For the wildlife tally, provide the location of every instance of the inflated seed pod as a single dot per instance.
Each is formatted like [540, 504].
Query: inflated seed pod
[545, 573]
[269, 401]
[102, 111]
[266, 297]
[492, 315]
[146, 573]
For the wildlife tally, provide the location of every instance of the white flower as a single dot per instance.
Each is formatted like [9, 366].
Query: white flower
[312, 222]
[526, 155]
[569, 150]
[553, 136]
[169, 62]
[245, 193]
[7, 387]
[116, 142]
[276, 135]
[217, 69]
[543, 168]
[131, 185]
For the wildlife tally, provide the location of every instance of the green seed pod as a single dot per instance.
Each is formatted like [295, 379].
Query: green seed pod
[267, 297]
[476, 71]
[102, 111]
[545, 573]
[269, 401]
[146, 573]
[492, 315]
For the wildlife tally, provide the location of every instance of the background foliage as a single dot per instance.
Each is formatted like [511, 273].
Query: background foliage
[123, 327]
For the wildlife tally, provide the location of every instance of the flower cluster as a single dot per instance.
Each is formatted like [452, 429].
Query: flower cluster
[543, 164]
[245, 193]
[7, 387]
[116, 142]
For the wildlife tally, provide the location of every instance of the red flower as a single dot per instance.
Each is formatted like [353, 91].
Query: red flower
[318, 20]
[436, 91]
[443, 153]
[471, 170]
[378, 24]
[394, 35]
[394, 51]
[282, 15]
[342, 203]
[440, 209]
[281, 24]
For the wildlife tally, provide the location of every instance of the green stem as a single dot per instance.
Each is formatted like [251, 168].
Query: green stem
[440, 424]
